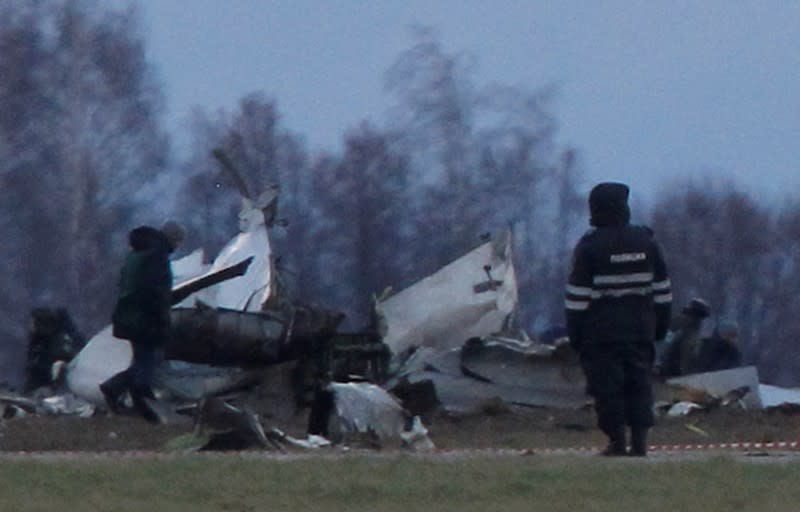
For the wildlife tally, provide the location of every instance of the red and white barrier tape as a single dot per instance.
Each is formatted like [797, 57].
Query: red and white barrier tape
[256, 454]
[689, 447]
[778, 445]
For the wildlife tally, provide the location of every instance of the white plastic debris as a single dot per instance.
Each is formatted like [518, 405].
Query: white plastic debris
[67, 404]
[416, 438]
[682, 408]
[363, 407]
[311, 442]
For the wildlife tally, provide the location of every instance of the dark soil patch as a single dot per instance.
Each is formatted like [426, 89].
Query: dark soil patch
[516, 428]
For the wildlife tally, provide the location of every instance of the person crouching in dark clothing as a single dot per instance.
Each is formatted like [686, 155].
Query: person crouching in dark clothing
[721, 350]
[618, 303]
[682, 351]
[142, 313]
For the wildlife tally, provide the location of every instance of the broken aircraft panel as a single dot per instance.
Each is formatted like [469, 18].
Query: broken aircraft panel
[229, 427]
[472, 296]
[515, 372]
[722, 382]
[252, 290]
[207, 280]
[362, 407]
[551, 373]
[774, 396]
[189, 267]
[365, 408]
[187, 381]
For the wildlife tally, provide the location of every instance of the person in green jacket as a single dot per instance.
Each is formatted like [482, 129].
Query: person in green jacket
[142, 313]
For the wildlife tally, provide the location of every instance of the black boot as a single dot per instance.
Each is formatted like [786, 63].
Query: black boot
[321, 409]
[639, 441]
[616, 443]
[114, 388]
[147, 408]
[145, 403]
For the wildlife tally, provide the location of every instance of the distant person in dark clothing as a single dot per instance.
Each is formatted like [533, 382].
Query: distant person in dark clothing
[682, 351]
[142, 313]
[720, 351]
[53, 337]
[618, 301]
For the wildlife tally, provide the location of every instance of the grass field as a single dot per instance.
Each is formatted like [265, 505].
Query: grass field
[402, 483]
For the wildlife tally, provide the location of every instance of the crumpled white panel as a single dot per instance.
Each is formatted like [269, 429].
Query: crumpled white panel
[444, 310]
[250, 291]
[103, 357]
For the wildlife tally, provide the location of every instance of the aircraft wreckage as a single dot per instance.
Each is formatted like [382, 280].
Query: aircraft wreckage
[229, 325]
[444, 343]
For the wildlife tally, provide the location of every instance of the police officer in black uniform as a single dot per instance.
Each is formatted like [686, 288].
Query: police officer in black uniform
[618, 303]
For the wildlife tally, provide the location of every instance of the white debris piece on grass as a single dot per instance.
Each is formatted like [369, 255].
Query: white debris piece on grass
[720, 383]
[310, 442]
[682, 408]
[416, 438]
[363, 407]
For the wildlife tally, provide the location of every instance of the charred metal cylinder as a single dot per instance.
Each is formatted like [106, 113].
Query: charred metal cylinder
[226, 337]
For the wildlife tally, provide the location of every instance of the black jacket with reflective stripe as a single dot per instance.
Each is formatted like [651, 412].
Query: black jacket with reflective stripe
[618, 287]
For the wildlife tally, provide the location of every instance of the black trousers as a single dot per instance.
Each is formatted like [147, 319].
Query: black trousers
[619, 378]
[138, 377]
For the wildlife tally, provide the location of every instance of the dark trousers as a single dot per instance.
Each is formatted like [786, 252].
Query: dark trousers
[138, 377]
[619, 377]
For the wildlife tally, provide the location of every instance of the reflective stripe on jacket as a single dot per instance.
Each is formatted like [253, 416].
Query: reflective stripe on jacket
[618, 288]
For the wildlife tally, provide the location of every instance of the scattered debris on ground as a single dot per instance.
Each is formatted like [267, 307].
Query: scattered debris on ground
[440, 367]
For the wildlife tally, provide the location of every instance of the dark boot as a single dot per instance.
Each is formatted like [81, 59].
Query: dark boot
[147, 408]
[616, 443]
[639, 441]
[114, 388]
[321, 409]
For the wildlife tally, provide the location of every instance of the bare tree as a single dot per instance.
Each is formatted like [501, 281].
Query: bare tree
[483, 159]
[364, 220]
[718, 241]
[79, 137]
[263, 154]
[777, 324]
[208, 200]
[434, 118]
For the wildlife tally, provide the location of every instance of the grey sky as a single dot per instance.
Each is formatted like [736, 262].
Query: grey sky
[648, 89]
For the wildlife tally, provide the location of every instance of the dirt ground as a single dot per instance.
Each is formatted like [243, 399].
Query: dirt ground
[511, 428]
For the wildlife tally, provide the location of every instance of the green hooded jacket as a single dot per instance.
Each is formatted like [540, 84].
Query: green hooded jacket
[142, 311]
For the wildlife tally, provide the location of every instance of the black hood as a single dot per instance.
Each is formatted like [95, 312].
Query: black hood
[146, 238]
[608, 205]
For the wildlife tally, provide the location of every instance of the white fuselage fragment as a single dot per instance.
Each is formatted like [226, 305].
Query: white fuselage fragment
[102, 358]
[456, 303]
[250, 291]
